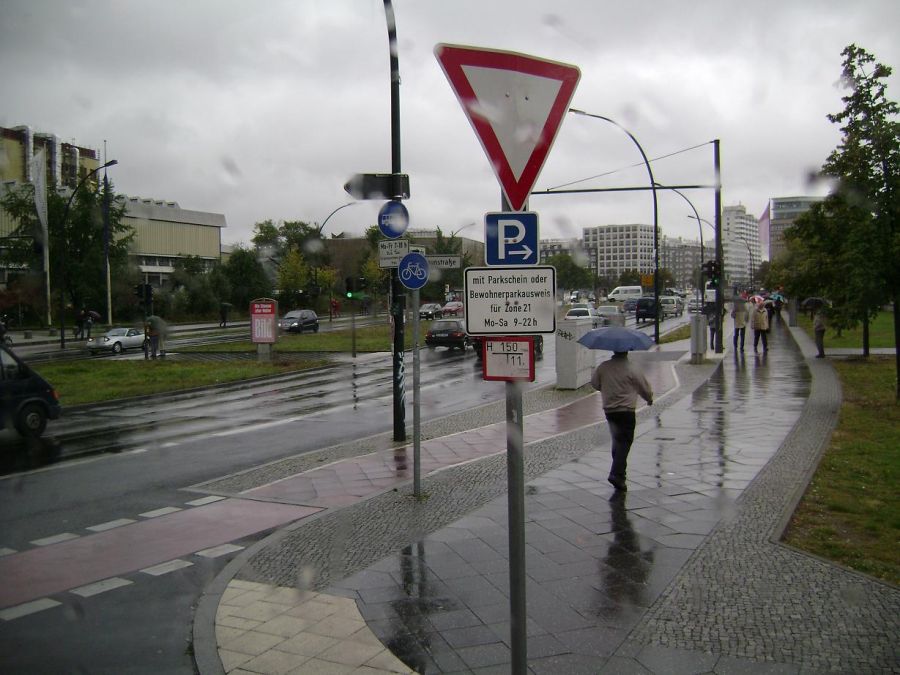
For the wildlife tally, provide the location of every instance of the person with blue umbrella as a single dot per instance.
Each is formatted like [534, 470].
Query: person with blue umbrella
[619, 382]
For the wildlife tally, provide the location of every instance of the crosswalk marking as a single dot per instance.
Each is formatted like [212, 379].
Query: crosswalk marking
[206, 500]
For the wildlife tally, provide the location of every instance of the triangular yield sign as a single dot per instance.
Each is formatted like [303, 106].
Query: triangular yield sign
[515, 103]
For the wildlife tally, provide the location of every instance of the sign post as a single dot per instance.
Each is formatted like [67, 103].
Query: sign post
[413, 273]
[527, 98]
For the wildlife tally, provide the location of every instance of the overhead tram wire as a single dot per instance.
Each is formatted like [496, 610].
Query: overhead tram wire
[625, 168]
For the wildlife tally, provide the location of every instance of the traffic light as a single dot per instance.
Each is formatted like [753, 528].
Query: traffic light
[350, 286]
[148, 294]
[713, 272]
[139, 291]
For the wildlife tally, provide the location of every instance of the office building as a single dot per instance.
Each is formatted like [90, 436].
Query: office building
[741, 249]
[783, 211]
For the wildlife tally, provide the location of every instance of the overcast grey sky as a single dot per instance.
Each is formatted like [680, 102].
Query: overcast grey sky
[262, 110]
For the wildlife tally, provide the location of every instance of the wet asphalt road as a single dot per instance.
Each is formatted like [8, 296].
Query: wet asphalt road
[140, 456]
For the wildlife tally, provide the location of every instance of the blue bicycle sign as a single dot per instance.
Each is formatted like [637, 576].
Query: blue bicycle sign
[413, 271]
[393, 219]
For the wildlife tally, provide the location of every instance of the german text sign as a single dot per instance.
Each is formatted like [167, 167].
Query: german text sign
[510, 300]
[508, 358]
[263, 320]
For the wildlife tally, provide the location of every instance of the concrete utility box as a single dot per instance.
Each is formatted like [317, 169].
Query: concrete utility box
[574, 363]
[699, 325]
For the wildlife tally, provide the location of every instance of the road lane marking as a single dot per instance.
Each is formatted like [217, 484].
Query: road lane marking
[218, 551]
[159, 512]
[7, 551]
[206, 500]
[55, 539]
[27, 608]
[102, 527]
[101, 587]
[166, 567]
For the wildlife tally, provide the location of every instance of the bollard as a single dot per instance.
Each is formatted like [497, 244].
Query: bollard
[27, 334]
[698, 339]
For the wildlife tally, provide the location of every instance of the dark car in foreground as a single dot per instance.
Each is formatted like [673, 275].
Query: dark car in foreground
[450, 333]
[299, 320]
[27, 400]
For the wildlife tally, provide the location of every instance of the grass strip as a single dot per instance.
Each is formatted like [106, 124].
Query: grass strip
[851, 510]
[881, 333]
[94, 381]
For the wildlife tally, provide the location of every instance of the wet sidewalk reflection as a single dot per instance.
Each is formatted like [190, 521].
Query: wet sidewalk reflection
[594, 563]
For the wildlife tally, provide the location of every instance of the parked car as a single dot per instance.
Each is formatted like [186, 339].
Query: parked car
[671, 305]
[629, 305]
[585, 313]
[646, 309]
[116, 340]
[611, 315]
[299, 320]
[27, 400]
[453, 308]
[450, 333]
[430, 311]
[477, 342]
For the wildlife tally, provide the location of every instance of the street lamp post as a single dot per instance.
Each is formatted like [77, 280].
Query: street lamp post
[63, 253]
[655, 211]
[316, 269]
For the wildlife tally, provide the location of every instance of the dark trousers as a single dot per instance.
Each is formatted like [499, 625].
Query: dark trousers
[621, 428]
[765, 339]
[739, 332]
[820, 342]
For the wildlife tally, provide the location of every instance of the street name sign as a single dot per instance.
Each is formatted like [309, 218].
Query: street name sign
[515, 103]
[510, 300]
[378, 186]
[508, 358]
[390, 251]
[444, 262]
[511, 238]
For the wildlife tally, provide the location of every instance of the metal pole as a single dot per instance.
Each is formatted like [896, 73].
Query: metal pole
[720, 297]
[106, 248]
[655, 214]
[515, 478]
[417, 426]
[398, 297]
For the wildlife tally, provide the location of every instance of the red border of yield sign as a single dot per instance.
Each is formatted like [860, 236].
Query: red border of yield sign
[452, 59]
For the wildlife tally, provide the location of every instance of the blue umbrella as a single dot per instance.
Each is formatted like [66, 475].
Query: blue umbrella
[616, 339]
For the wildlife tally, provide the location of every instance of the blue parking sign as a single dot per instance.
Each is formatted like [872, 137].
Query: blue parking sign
[511, 238]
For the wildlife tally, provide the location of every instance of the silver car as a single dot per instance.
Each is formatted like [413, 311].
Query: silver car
[116, 340]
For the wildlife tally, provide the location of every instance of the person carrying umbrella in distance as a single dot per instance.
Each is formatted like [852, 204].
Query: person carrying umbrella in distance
[619, 382]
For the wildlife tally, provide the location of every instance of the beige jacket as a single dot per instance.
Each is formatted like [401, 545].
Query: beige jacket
[760, 318]
[620, 382]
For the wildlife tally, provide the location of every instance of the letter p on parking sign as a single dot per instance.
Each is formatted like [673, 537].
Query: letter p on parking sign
[511, 238]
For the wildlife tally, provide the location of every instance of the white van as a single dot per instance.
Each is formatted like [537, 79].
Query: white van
[623, 293]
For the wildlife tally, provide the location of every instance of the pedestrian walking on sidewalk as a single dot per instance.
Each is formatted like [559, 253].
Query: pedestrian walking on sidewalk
[620, 383]
[739, 314]
[760, 325]
[819, 327]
